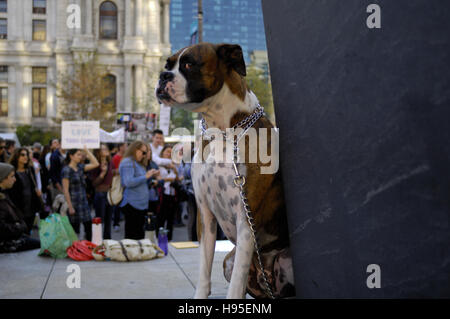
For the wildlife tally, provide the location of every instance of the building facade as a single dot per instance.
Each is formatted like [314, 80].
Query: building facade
[40, 38]
[228, 21]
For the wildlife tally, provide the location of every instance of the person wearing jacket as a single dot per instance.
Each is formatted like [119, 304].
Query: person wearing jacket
[13, 229]
[133, 176]
[25, 193]
[101, 178]
[154, 185]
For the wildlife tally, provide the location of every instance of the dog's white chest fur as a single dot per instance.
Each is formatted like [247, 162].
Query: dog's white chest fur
[214, 187]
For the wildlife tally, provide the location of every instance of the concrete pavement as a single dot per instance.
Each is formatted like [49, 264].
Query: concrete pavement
[26, 275]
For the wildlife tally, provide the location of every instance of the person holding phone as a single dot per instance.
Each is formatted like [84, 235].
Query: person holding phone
[134, 176]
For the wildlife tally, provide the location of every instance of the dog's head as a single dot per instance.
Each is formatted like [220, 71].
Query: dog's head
[198, 72]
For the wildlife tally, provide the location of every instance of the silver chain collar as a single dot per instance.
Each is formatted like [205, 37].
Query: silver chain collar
[239, 180]
[245, 124]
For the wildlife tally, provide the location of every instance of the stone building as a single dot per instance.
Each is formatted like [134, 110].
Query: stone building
[39, 39]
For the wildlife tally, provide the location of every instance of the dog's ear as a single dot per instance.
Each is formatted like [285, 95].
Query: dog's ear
[231, 54]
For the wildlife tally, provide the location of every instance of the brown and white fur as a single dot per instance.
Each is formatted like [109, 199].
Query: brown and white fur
[209, 78]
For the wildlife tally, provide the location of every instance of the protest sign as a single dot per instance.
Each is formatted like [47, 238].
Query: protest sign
[78, 134]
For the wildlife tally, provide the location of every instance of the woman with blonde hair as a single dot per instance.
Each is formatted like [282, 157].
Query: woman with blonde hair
[134, 176]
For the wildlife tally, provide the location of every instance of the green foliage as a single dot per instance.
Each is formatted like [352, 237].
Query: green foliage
[29, 135]
[182, 118]
[261, 86]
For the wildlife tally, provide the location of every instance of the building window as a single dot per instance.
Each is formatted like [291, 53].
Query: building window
[3, 29]
[39, 75]
[39, 102]
[108, 20]
[3, 73]
[110, 85]
[39, 94]
[3, 101]
[39, 6]
[3, 6]
[39, 30]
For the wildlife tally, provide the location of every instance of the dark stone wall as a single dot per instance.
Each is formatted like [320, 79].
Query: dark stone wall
[364, 117]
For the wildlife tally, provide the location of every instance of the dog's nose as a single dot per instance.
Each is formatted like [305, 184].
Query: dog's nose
[166, 76]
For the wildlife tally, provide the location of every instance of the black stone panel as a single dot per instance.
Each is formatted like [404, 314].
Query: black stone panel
[364, 117]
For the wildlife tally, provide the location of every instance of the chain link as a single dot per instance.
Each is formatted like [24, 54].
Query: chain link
[239, 180]
[248, 122]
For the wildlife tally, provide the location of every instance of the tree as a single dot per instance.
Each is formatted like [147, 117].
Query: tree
[261, 86]
[86, 92]
[28, 135]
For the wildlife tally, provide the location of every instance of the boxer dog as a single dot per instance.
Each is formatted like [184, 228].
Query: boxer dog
[209, 78]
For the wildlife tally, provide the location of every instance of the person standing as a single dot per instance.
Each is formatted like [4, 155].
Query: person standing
[25, 193]
[2, 150]
[134, 178]
[56, 165]
[74, 186]
[117, 158]
[13, 229]
[10, 147]
[101, 178]
[169, 204]
[157, 145]
[154, 185]
[45, 175]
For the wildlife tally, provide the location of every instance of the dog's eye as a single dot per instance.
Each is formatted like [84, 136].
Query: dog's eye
[188, 66]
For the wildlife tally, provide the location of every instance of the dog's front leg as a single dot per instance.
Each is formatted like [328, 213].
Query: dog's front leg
[242, 259]
[207, 246]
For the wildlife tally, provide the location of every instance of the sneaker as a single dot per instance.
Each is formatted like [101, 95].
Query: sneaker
[116, 228]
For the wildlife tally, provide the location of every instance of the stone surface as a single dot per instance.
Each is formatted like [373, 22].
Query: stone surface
[364, 141]
[25, 275]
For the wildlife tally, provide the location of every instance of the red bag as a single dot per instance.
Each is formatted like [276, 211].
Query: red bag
[81, 250]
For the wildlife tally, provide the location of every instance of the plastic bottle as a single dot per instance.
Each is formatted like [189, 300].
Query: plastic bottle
[97, 235]
[163, 242]
[150, 228]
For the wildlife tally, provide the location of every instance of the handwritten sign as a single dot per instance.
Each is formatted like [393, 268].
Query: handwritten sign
[77, 134]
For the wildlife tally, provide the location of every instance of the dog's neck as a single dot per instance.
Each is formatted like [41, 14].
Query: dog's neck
[219, 111]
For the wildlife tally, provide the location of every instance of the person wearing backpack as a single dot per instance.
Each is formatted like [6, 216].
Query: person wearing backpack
[134, 176]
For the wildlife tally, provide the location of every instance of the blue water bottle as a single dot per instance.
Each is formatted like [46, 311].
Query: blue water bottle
[163, 241]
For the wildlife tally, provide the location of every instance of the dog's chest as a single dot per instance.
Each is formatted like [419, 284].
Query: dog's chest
[214, 187]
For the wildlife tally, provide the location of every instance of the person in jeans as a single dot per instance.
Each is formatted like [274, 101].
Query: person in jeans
[133, 176]
[101, 178]
[13, 229]
[74, 187]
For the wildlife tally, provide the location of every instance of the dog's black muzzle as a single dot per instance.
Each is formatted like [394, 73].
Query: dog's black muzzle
[161, 92]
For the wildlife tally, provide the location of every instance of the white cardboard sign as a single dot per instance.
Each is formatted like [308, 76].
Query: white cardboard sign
[78, 134]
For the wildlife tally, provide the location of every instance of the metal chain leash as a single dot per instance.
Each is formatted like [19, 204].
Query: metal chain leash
[239, 181]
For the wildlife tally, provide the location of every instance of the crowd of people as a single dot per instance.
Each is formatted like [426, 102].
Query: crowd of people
[32, 178]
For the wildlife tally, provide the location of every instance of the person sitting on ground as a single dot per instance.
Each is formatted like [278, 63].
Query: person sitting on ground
[13, 229]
